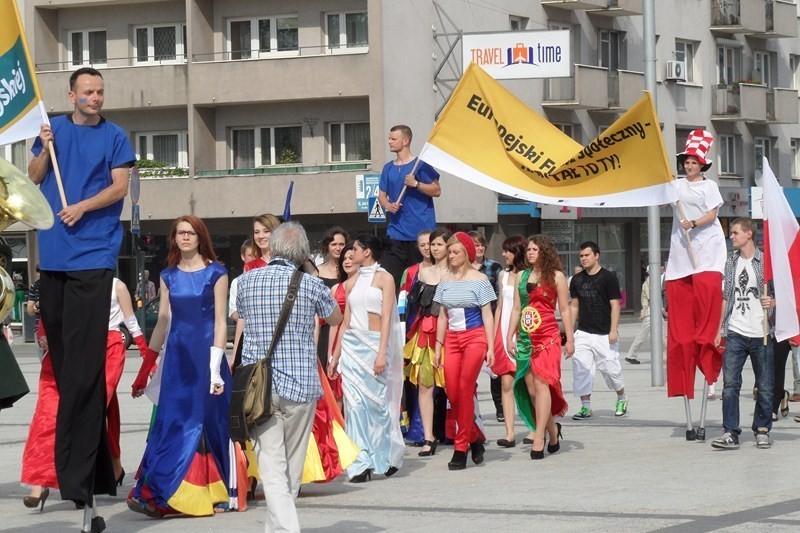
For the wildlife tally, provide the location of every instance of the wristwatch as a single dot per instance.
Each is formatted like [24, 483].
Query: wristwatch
[416, 185]
[694, 224]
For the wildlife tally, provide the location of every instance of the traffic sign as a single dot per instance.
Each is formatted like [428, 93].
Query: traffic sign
[135, 219]
[376, 212]
[366, 188]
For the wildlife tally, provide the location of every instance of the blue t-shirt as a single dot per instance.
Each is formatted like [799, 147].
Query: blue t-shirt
[417, 213]
[86, 155]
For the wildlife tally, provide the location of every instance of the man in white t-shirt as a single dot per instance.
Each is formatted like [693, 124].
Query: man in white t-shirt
[747, 332]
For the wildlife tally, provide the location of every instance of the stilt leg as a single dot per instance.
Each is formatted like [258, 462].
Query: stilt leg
[691, 434]
[701, 431]
[91, 522]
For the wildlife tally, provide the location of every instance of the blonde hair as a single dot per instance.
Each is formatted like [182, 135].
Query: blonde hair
[452, 241]
[270, 222]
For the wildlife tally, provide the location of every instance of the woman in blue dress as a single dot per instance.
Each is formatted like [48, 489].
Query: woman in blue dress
[185, 467]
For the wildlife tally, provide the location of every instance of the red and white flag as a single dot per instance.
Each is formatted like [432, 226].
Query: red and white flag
[782, 251]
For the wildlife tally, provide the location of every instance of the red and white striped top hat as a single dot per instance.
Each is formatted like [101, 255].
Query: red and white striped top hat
[697, 144]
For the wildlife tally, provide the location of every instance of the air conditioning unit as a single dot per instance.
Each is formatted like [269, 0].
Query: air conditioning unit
[676, 71]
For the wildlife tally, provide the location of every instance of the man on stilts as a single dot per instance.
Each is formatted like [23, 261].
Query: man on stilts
[78, 258]
[696, 262]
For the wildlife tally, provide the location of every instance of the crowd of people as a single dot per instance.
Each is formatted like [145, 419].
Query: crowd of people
[382, 348]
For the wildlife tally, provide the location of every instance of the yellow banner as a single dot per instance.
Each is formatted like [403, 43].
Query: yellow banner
[489, 137]
[20, 117]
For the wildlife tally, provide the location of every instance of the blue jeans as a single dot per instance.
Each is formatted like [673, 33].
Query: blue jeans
[737, 349]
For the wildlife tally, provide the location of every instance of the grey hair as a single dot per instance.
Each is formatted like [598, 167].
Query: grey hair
[289, 241]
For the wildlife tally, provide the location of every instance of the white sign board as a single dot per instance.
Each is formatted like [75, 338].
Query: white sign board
[519, 54]
[366, 188]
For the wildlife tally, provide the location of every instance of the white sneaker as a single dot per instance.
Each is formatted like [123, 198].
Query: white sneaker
[762, 440]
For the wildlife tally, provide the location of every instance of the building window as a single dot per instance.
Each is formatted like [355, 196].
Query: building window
[727, 154]
[160, 44]
[729, 60]
[16, 154]
[794, 71]
[168, 147]
[263, 36]
[609, 50]
[347, 31]
[684, 51]
[795, 161]
[762, 148]
[88, 47]
[258, 147]
[762, 68]
[568, 129]
[517, 23]
[350, 142]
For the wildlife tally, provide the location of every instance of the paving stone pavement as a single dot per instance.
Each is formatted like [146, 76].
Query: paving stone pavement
[637, 473]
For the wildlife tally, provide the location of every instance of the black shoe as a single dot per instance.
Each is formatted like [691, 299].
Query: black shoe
[553, 448]
[121, 478]
[505, 443]
[500, 416]
[32, 502]
[458, 462]
[251, 494]
[477, 448]
[431, 444]
[98, 524]
[364, 476]
[392, 471]
[691, 434]
[537, 454]
[700, 434]
[633, 360]
[526, 440]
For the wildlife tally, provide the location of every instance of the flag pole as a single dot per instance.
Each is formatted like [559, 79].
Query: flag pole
[766, 325]
[403, 192]
[52, 150]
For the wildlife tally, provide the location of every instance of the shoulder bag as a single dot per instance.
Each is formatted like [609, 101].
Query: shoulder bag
[251, 397]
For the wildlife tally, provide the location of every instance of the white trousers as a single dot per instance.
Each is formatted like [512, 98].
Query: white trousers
[281, 449]
[593, 352]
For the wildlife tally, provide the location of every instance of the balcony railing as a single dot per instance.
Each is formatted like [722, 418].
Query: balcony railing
[111, 62]
[587, 89]
[735, 16]
[286, 169]
[620, 8]
[781, 19]
[301, 51]
[741, 101]
[575, 5]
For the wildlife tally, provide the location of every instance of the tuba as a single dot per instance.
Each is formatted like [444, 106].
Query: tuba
[20, 200]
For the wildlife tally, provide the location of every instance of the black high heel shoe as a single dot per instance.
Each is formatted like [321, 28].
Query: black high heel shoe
[785, 404]
[363, 477]
[537, 454]
[251, 494]
[553, 448]
[392, 471]
[431, 444]
[121, 478]
[478, 449]
[33, 502]
[458, 462]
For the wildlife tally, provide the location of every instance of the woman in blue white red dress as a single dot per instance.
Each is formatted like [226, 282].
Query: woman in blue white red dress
[465, 331]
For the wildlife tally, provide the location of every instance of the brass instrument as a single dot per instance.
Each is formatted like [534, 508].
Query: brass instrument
[20, 200]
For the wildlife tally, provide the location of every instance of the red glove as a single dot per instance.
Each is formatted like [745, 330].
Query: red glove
[148, 365]
[141, 343]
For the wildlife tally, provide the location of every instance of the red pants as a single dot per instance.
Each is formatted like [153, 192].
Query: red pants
[115, 363]
[695, 308]
[464, 352]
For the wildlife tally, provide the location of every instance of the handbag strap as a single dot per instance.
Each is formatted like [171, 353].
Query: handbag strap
[288, 304]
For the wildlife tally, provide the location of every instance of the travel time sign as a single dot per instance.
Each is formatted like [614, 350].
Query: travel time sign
[519, 54]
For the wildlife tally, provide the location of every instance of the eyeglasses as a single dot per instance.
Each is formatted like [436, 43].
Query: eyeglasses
[184, 233]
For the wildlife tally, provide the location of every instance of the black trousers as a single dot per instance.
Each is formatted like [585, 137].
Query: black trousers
[780, 353]
[75, 307]
[400, 256]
